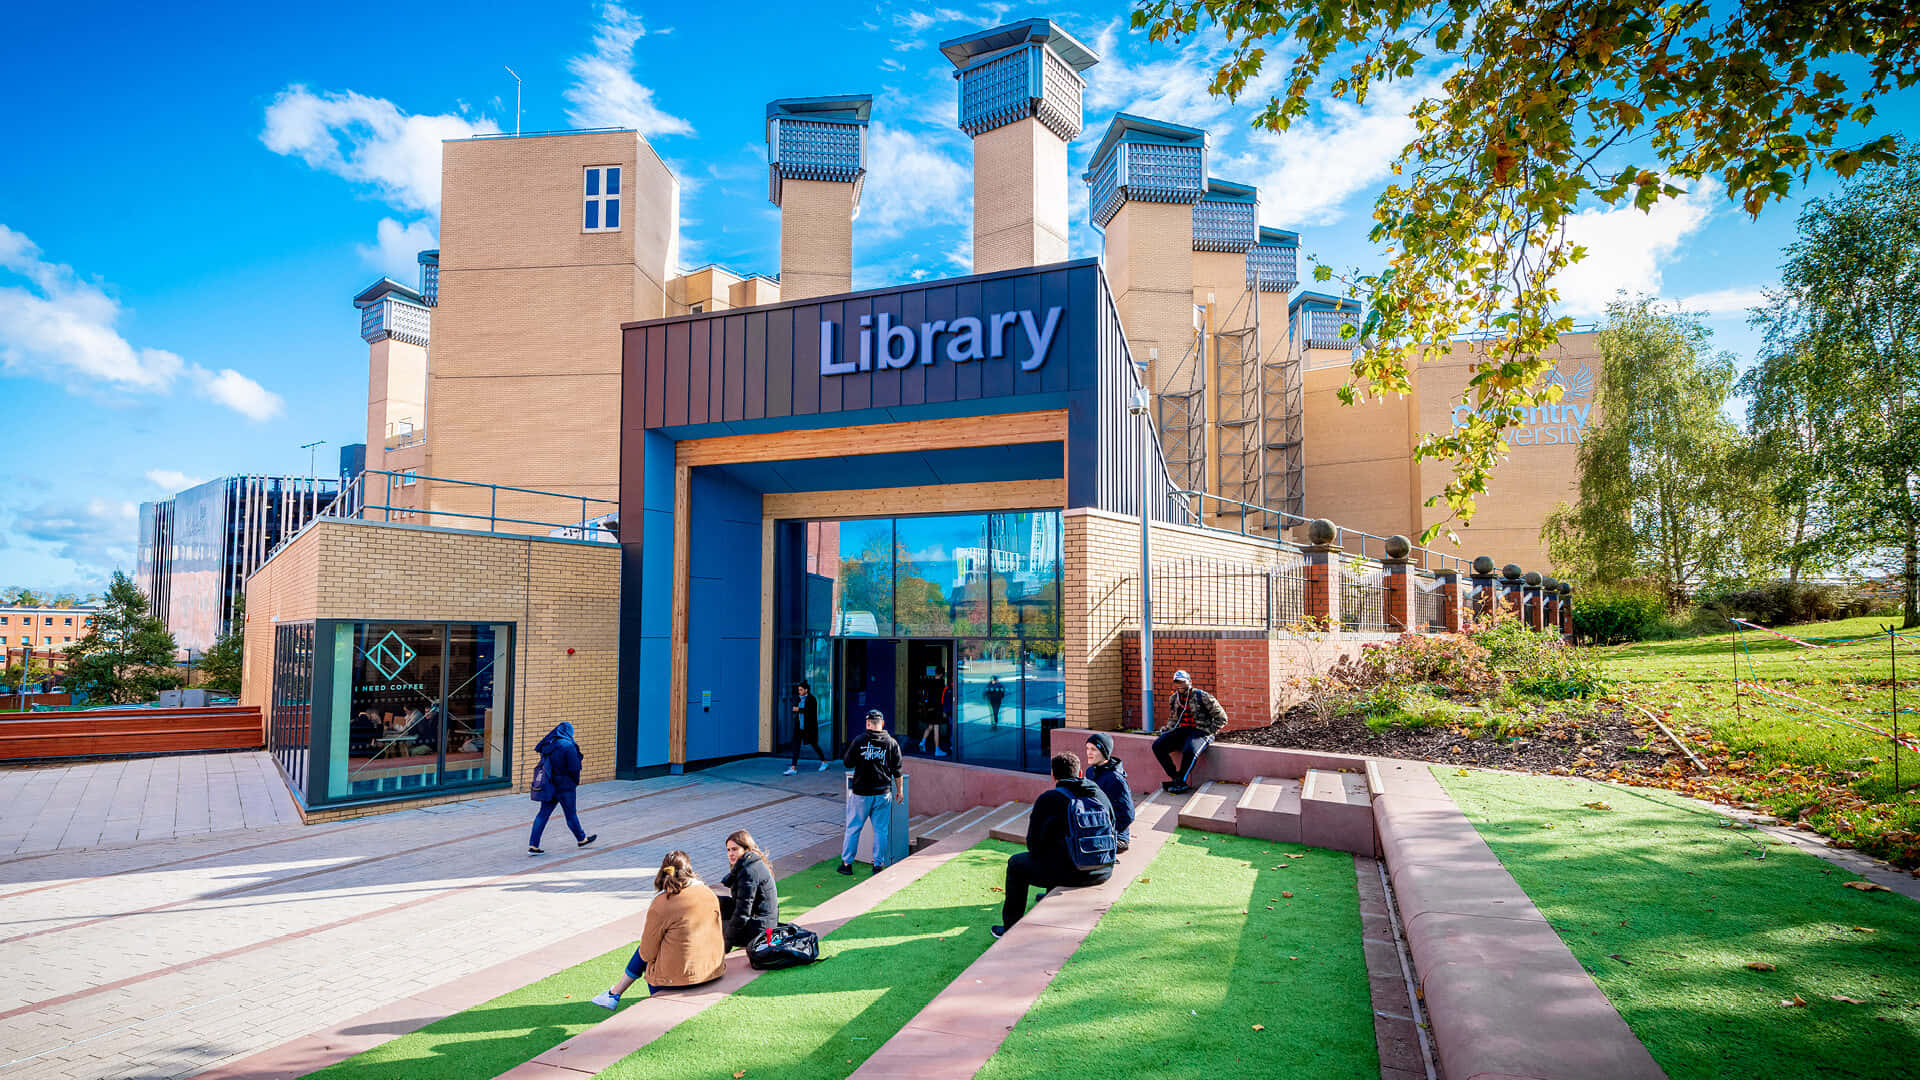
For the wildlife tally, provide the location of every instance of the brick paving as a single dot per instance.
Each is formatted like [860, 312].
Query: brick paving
[94, 804]
[166, 956]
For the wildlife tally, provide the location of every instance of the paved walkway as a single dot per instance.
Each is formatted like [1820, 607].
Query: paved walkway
[165, 957]
[63, 807]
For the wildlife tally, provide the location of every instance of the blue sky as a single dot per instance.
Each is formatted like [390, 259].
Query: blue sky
[183, 227]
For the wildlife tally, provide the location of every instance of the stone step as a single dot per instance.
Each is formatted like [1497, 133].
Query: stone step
[1336, 811]
[1213, 807]
[929, 827]
[1270, 810]
[1009, 822]
[961, 821]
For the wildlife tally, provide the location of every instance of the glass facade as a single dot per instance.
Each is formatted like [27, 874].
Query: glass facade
[948, 624]
[372, 710]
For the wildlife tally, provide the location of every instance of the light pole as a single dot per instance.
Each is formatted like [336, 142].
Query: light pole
[516, 98]
[1138, 407]
[313, 485]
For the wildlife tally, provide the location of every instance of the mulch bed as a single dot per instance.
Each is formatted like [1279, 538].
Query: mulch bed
[1599, 740]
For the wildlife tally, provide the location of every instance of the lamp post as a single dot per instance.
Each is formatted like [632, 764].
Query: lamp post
[1138, 407]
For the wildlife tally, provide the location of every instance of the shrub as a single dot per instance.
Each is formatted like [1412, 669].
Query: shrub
[1451, 661]
[1606, 616]
[1537, 662]
[1781, 603]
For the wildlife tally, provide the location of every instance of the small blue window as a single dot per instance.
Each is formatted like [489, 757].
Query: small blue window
[593, 181]
[613, 181]
[601, 200]
[593, 214]
[613, 213]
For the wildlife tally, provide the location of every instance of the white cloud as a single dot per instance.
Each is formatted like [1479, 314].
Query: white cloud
[604, 92]
[57, 326]
[98, 534]
[367, 140]
[1627, 247]
[912, 182]
[396, 249]
[173, 480]
[1728, 303]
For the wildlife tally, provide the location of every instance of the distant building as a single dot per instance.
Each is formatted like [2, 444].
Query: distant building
[44, 628]
[197, 548]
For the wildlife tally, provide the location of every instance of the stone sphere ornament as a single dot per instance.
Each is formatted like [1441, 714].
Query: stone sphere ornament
[1398, 547]
[1320, 532]
[1533, 578]
[1483, 565]
[1511, 571]
[1566, 588]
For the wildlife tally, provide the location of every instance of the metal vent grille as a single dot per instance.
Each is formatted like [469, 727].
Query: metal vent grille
[1271, 267]
[1220, 225]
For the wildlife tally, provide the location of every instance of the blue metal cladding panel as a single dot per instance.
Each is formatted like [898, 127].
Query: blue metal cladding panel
[999, 91]
[1061, 91]
[1156, 172]
[1273, 267]
[1104, 197]
[818, 150]
[1224, 225]
[723, 621]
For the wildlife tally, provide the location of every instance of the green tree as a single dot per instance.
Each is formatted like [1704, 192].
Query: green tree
[128, 655]
[1664, 489]
[1786, 451]
[20, 596]
[1844, 357]
[221, 664]
[1542, 106]
[11, 674]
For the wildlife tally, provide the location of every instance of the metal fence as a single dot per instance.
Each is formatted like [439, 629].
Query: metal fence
[1363, 601]
[370, 497]
[1429, 609]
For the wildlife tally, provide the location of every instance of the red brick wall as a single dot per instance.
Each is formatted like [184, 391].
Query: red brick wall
[1233, 670]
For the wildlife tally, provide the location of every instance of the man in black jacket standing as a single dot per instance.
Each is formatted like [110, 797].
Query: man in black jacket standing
[1196, 718]
[875, 760]
[1048, 862]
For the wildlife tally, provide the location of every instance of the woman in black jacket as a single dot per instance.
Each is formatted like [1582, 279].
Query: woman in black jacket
[754, 906]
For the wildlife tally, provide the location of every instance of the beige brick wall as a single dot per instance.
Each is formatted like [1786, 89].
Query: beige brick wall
[1149, 261]
[558, 595]
[816, 238]
[525, 374]
[396, 395]
[1019, 197]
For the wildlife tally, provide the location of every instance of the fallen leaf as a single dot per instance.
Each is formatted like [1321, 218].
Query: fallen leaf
[1865, 930]
[1845, 998]
[1243, 911]
[1296, 856]
[1622, 959]
[1293, 958]
[738, 1075]
[1596, 806]
[1286, 896]
[1797, 1000]
[1759, 965]
[1144, 880]
[1259, 1027]
[1866, 886]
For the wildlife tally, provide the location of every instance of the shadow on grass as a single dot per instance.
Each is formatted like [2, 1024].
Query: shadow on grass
[1666, 908]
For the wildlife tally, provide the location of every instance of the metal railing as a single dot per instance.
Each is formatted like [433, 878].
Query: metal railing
[1363, 602]
[1429, 604]
[1266, 519]
[356, 503]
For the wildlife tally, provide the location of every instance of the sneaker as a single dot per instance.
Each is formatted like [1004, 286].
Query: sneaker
[589, 839]
[1180, 789]
[536, 851]
[877, 868]
[997, 931]
[607, 1000]
[939, 753]
[790, 771]
[1167, 785]
[847, 869]
[823, 766]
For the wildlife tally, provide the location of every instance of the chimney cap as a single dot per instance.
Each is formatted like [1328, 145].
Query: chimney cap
[1281, 237]
[385, 287]
[1126, 127]
[1228, 191]
[844, 108]
[962, 51]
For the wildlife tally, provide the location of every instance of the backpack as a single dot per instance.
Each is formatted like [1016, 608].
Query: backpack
[541, 788]
[784, 946]
[1090, 842]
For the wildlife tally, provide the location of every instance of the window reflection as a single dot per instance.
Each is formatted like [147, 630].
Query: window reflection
[863, 576]
[941, 587]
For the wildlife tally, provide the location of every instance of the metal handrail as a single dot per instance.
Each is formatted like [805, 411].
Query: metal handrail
[352, 503]
[1425, 558]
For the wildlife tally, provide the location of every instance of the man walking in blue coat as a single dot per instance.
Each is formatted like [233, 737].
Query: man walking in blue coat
[554, 781]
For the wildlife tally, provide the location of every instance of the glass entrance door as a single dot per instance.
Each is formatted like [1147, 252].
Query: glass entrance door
[928, 703]
[869, 679]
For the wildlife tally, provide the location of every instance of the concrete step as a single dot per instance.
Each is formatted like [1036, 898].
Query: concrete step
[1336, 811]
[1009, 822]
[929, 827]
[1213, 807]
[962, 820]
[1270, 810]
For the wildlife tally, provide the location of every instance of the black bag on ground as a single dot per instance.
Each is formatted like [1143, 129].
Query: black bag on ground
[784, 946]
[1090, 840]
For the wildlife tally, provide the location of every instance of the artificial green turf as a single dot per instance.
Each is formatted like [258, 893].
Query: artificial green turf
[874, 974]
[1195, 953]
[494, 1036]
[1665, 904]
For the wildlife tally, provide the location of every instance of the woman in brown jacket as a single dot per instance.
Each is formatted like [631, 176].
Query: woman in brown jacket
[682, 944]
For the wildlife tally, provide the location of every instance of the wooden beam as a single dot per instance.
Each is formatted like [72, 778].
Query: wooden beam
[934, 499]
[942, 434]
[767, 689]
[677, 662]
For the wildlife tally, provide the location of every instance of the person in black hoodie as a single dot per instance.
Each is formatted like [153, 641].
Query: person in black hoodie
[754, 906]
[875, 760]
[1111, 774]
[554, 783]
[1047, 862]
[806, 726]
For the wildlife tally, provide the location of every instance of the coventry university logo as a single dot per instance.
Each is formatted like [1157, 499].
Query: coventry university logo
[1579, 384]
[390, 656]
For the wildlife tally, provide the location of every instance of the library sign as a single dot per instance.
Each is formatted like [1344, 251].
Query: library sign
[1562, 423]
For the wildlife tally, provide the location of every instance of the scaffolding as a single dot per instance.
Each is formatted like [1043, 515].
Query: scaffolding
[1182, 415]
[1237, 374]
[1283, 414]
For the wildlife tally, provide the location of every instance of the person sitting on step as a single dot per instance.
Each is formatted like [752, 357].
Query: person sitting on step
[1194, 719]
[1111, 774]
[753, 904]
[682, 944]
[1069, 840]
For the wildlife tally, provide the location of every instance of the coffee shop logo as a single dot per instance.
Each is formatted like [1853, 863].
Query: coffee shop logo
[390, 656]
[889, 345]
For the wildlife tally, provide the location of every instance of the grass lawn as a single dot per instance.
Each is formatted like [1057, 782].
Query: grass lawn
[874, 974]
[1197, 952]
[492, 1037]
[1792, 760]
[1666, 905]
